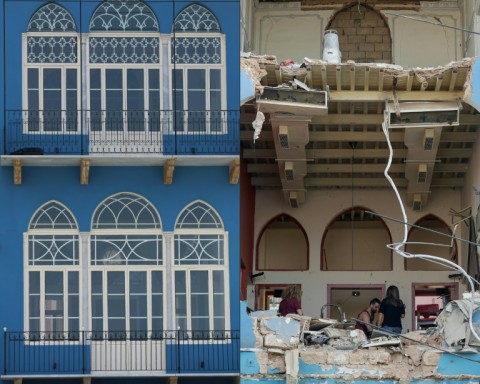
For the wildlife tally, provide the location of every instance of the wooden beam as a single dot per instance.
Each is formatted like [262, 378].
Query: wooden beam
[358, 168]
[168, 169]
[345, 136]
[84, 171]
[234, 171]
[172, 380]
[324, 77]
[361, 96]
[17, 171]
[453, 79]
[309, 76]
[380, 80]
[311, 182]
[86, 380]
[411, 75]
[17, 380]
[438, 83]
[352, 78]
[339, 78]
[366, 84]
[278, 74]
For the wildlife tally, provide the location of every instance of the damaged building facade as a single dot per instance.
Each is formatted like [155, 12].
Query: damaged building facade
[319, 127]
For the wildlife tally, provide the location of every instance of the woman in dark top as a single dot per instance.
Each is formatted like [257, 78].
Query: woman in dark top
[392, 311]
[291, 301]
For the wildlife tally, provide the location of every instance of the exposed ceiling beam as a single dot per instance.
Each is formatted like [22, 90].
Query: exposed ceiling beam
[358, 168]
[356, 96]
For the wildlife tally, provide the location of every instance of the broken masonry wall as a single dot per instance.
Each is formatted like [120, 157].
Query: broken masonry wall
[288, 32]
[412, 360]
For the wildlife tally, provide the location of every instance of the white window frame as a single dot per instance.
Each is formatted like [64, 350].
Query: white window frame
[125, 267]
[188, 268]
[41, 66]
[124, 67]
[184, 67]
[65, 269]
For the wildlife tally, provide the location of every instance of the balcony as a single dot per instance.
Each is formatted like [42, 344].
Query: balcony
[88, 132]
[145, 353]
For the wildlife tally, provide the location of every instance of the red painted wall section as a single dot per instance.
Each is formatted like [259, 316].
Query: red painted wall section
[247, 220]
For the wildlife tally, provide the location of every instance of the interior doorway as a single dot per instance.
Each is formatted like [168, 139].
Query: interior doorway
[268, 296]
[428, 301]
[351, 299]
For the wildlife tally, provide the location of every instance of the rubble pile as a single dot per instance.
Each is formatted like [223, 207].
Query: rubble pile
[285, 343]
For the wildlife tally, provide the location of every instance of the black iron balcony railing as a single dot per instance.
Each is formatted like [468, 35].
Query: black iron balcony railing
[85, 132]
[85, 352]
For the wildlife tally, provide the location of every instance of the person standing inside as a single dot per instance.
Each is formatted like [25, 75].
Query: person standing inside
[391, 312]
[291, 301]
[367, 316]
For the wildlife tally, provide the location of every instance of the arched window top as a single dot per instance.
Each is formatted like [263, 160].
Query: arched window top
[51, 17]
[198, 215]
[196, 18]
[126, 211]
[52, 215]
[124, 16]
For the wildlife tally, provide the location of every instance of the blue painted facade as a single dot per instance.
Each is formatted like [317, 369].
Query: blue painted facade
[202, 141]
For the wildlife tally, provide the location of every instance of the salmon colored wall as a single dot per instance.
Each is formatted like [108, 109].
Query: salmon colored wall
[247, 215]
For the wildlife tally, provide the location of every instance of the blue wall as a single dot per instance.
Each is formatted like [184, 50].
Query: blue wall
[19, 202]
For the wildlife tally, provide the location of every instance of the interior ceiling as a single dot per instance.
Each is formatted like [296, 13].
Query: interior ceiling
[344, 146]
[337, 4]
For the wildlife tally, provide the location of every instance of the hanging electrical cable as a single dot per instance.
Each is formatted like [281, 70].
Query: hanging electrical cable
[397, 247]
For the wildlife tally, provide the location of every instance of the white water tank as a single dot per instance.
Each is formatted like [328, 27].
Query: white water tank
[331, 50]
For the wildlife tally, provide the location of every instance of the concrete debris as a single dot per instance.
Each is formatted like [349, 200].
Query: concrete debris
[345, 352]
[453, 322]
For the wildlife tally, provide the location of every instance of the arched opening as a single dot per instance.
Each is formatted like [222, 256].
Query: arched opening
[356, 240]
[282, 245]
[430, 236]
[363, 34]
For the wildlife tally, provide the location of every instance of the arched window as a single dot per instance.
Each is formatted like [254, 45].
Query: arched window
[123, 16]
[198, 70]
[200, 271]
[124, 95]
[126, 264]
[363, 34]
[356, 240]
[53, 273]
[282, 245]
[52, 78]
[51, 17]
[196, 18]
[430, 236]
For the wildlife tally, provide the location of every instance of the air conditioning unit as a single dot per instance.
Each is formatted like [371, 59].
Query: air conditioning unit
[297, 101]
[428, 139]
[422, 114]
[417, 202]
[422, 173]
[293, 197]
[283, 136]
[289, 171]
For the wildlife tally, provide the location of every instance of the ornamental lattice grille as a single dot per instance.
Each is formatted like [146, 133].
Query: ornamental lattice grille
[196, 18]
[196, 50]
[52, 49]
[51, 18]
[124, 50]
[125, 16]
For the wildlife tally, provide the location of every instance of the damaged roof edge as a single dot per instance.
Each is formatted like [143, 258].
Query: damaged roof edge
[459, 77]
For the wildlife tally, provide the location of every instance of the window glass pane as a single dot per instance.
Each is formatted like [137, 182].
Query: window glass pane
[114, 100]
[135, 100]
[196, 90]
[96, 282]
[71, 79]
[71, 101]
[95, 100]
[34, 282]
[116, 300]
[138, 282]
[72, 282]
[157, 300]
[180, 299]
[54, 301]
[52, 78]
[32, 78]
[199, 300]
